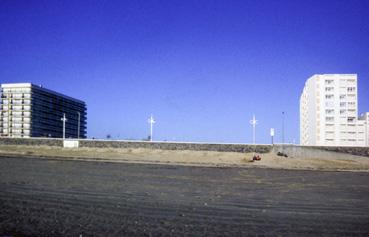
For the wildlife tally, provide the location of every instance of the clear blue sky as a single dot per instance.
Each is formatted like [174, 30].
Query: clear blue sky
[201, 67]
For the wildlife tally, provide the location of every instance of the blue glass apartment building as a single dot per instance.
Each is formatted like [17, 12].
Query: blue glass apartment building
[28, 110]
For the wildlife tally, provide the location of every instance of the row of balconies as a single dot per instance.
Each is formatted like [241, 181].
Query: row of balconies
[15, 113]
[51, 123]
[16, 133]
[46, 98]
[41, 131]
[23, 126]
[56, 99]
[16, 107]
[57, 117]
[55, 110]
[16, 119]
[15, 96]
[47, 105]
[51, 105]
[27, 118]
[16, 102]
[16, 90]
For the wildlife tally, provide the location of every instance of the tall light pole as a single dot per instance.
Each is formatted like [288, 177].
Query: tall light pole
[151, 121]
[253, 122]
[79, 119]
[282, 127]
[282, 131]
[272, 135]
[64, 119]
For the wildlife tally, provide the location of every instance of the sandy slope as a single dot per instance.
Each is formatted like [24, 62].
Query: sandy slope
[196, 158]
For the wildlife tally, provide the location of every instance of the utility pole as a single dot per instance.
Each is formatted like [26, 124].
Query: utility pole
[282, 131]
[253, 123]
[64, 119]
[151, 121]
[282, 127]
[79, 119]
[272, 135]
[9, 114]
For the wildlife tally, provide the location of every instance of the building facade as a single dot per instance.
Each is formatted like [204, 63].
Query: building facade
[329, 112]
[27, 110]
[365, 118]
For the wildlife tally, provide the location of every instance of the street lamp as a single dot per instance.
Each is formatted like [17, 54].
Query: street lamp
[282, 127]
[253, 122]
[151, 121]
[272, 135]
[64, 119]
[79, 119]
[283, 132]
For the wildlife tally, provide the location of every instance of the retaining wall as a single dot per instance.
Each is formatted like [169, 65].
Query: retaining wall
[32, 141]
[291, 150]
[244, 148]
[320, 151]
[178, 146]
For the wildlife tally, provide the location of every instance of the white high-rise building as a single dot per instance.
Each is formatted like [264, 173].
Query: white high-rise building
[365, 117]
[328, 112]
[27, 110]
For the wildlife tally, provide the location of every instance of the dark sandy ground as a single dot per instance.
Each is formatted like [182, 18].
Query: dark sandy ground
[189, 158]
[41, 197]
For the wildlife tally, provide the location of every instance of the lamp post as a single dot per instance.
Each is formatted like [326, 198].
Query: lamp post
[282, 127]
[253, 123]
[282, 131]
[272, 135]
[79, 119]
[151, 121]
[64, 119]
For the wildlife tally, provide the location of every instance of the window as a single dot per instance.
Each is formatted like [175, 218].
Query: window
[329, 111]
[329, 104]
[351, 89]
[330, 96]
[329, 119]
[329, 89]
[328, 82]
[351, 103]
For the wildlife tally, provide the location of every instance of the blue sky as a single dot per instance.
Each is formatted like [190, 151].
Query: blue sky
[202, 68]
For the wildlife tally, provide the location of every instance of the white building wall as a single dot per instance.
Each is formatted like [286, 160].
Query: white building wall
[308, 113]
[365, 119]
[328, 112]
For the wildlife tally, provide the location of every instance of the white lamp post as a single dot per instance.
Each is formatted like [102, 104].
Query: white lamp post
[64, 119]
[253, 122]
[272, 135]
[282, 128]
[79, 119]
[151, 121]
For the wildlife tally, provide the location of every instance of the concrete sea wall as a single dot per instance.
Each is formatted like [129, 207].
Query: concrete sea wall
[321, 151]
[243, 148]
[31, 141]
[291, 150]
[178, 146]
